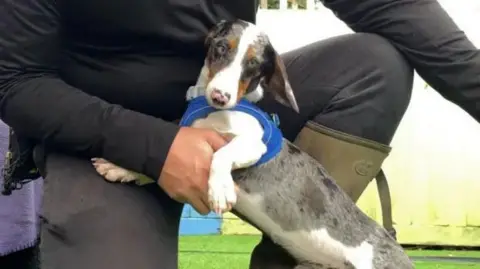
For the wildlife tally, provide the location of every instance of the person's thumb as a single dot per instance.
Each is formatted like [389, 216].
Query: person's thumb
[215, 140]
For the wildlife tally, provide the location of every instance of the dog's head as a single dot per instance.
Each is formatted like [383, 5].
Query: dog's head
[239, 58]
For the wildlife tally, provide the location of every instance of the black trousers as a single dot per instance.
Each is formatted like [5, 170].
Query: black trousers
[357, 83]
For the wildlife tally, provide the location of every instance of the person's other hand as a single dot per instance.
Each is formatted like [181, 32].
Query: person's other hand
[187, 166]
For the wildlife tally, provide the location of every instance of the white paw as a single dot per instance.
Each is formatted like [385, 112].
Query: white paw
[112, 172]
[221, 191]
[194, 92]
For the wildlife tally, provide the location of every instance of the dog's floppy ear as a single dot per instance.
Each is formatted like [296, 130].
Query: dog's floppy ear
[276, 80]
[215, 31]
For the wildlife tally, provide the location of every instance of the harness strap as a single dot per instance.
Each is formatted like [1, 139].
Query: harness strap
[198, 108]
[386, 203]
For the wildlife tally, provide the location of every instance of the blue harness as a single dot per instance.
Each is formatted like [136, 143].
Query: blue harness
[199, 108]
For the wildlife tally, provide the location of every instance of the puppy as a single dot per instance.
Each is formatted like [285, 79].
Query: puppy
[288, 196]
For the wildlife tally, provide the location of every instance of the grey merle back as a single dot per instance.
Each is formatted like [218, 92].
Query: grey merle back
[299, 195]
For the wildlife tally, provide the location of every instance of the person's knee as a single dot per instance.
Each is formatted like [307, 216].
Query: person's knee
[373, 91]
[356, 83]
[394, 74]
[356, 62]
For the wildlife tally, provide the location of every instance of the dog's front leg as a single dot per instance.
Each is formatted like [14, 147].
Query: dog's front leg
[240, 152]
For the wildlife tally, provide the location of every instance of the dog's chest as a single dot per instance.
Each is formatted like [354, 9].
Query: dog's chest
[234, 123]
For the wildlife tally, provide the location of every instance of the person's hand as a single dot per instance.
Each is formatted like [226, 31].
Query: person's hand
[187, 167]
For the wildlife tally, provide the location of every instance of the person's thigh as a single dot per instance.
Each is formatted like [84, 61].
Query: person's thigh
[95, 224]
[356, 83]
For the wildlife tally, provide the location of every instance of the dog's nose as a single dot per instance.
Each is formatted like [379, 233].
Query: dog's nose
[219, 98]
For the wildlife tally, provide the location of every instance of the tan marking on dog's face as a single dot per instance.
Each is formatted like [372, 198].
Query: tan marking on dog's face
[215, 67]
[222, 45]
[211, 74]
[244, 82]
[242, 88]
[251, 53]
[233, 42]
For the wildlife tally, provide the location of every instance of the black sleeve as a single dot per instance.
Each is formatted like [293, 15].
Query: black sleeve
[430, 40]
[36, 103]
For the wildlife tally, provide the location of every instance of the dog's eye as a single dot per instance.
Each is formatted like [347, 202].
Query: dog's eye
[221, 48]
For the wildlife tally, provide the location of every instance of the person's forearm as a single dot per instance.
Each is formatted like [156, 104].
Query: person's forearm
[37, 104]
[49, 110]
[433, 44]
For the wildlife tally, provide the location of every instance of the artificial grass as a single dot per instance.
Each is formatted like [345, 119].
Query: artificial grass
[233, 252]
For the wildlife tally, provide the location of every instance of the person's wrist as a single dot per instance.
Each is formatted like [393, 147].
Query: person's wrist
[157, 155]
